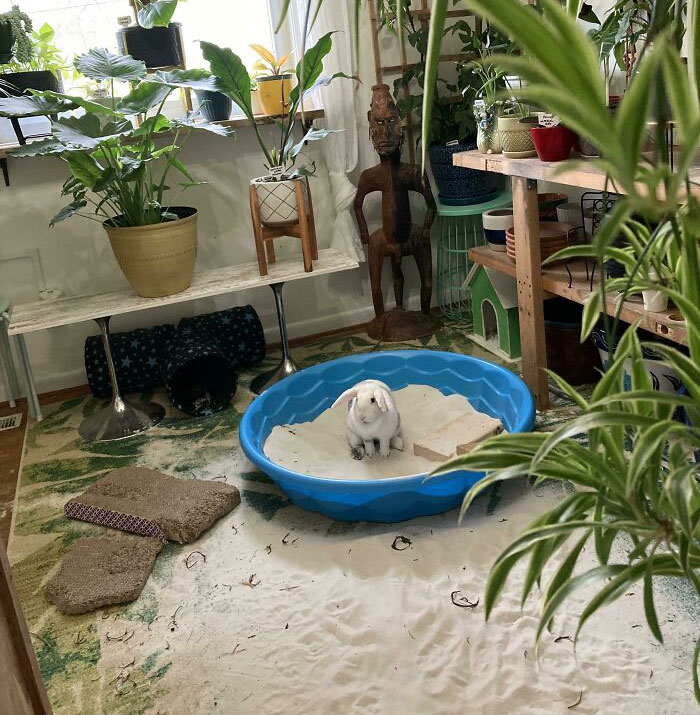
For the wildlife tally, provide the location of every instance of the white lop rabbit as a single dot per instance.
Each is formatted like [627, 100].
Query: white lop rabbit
[372, 415]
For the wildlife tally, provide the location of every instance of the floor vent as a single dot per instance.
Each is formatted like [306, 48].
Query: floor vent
[11, 421]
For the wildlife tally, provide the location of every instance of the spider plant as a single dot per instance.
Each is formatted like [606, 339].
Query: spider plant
[633, 462]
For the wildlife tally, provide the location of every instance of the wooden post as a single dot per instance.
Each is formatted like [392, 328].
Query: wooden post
[529, 275]
[312, 222]
[22, 691]
[304, 232]
[257, 230]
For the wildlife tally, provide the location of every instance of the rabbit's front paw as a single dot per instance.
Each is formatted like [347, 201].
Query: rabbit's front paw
[357, 453]
[369, 449]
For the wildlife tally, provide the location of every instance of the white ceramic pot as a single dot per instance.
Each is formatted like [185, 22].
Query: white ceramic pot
[277, 200]
[496, 222]
[655, 301]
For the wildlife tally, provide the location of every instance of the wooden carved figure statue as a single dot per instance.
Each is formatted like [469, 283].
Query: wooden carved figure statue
[398, 235]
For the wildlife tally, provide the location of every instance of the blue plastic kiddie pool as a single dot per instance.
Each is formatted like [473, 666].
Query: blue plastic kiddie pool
[303, 396]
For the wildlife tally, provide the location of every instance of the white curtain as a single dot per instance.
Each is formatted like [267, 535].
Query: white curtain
[340, 149]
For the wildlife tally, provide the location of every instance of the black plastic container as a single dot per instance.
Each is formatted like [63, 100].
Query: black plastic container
[158, 47]
[578, 363]
[41, 80]
[214, 106]
[458, 186]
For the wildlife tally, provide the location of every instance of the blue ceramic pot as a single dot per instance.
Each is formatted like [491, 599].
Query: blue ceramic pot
[458, 186]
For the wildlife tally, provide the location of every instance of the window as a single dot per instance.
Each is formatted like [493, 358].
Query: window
[83, 24]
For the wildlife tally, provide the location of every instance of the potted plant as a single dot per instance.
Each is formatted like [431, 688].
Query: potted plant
[633, 465]
[154, 39]
[453, 126]
[273, 82]
[276, 189]
[553, 141]
[120, 173]
[15, 27]
[42, 70]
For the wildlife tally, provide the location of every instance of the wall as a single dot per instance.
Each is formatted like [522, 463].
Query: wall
[77, 258]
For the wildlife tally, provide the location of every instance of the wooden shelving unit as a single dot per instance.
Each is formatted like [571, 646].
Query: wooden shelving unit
[574, 284]
[532, 281]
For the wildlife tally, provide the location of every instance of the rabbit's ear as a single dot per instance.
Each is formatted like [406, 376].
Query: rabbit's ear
[380, 397]
[346, 397]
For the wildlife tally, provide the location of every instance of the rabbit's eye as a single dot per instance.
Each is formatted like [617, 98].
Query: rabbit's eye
[372, 400]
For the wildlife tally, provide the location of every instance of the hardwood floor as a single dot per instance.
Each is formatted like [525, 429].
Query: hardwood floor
[11, 445]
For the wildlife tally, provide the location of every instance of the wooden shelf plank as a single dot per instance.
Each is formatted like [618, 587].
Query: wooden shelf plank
[584, 177]
[30, 317]
[555, 280]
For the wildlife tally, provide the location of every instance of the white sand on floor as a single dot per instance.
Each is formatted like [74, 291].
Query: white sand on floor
[320, 447]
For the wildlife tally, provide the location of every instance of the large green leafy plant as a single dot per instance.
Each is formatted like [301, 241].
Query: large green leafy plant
[233, 80]
[155, 13]
[635, 464]
[120, 170]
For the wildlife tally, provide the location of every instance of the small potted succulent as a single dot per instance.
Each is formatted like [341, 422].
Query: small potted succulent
[274, 82]
[121, 172]
[553, 141]
[154, 40]
[276, 189]
[36, 66]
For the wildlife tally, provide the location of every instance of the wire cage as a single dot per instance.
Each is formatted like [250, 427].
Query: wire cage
[458, 229]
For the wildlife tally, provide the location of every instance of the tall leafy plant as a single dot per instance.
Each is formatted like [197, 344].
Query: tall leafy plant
[633, 461]
[120, 170]
[233, 80]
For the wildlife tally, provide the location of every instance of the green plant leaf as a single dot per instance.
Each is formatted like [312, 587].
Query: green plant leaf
[42, 147]
[437, 22]
[84, 168]
[649, 609]
[144, 97]
[158, 13]
[310, 67]
[196, 79]
[101, 64]
[33, 106]
[67, 212]
[87, 105]
[191, 123]
[231, 75]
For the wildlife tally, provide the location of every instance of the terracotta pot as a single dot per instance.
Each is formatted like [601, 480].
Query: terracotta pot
[274, 93]
[516, 142]
[548, 203]
[277, 200]
[552, 143]
[157, 260]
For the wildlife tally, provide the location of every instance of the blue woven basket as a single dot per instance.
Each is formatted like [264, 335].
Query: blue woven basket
[303, 396]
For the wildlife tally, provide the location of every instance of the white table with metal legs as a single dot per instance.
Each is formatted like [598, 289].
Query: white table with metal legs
[123, 418]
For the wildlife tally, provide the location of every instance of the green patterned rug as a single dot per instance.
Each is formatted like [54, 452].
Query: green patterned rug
[280, 610]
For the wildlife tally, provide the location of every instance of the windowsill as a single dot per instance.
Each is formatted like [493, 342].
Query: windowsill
[237, 121]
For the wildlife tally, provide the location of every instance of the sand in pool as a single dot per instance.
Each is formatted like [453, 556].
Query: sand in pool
[320, 447]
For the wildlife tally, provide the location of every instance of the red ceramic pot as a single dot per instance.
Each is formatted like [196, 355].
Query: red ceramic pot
[552, 143]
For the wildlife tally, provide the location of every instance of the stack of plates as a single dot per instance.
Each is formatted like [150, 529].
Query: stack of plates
[553, 237]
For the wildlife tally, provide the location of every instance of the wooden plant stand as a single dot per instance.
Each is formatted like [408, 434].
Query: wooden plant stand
[304, 229]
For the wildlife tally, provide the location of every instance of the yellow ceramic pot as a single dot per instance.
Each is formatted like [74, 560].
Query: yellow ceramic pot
[157, 260]
[274, 93]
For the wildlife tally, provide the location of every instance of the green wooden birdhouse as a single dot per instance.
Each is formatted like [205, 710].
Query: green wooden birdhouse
[494, 300]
